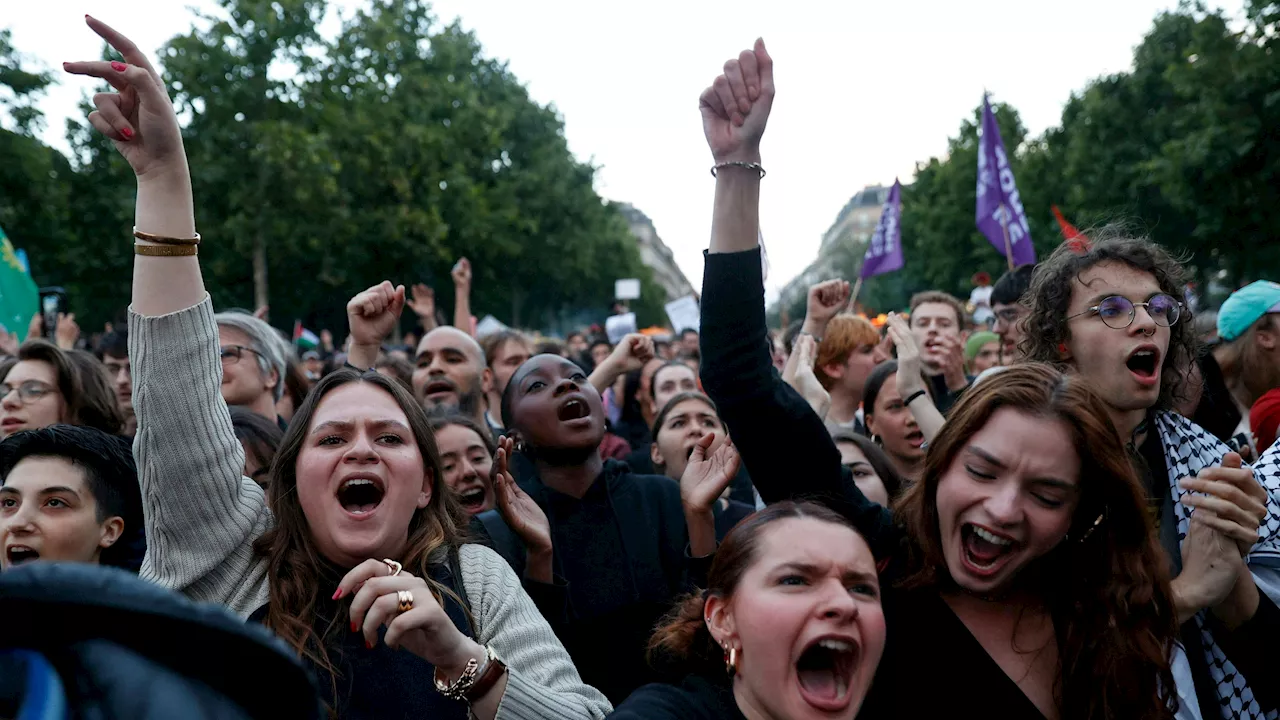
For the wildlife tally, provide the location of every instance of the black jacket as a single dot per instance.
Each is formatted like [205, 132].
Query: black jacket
[608, 646]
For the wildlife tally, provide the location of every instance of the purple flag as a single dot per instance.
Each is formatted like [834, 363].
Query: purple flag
[999, 213]
[884, 252]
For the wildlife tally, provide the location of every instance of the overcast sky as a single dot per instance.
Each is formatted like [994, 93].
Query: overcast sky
[865, 90]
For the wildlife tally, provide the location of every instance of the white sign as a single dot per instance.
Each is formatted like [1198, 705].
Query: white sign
[619, 326]
[684, 314]
[488, 326]
[628, 289]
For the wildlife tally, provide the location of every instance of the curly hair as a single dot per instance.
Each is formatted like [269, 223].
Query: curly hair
[1054, 282]
[1106, 584]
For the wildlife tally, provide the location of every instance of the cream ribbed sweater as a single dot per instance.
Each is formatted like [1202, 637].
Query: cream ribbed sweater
[202, 517]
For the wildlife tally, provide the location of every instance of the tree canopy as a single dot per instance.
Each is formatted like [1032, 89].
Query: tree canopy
[1180, 149]
[387, 152]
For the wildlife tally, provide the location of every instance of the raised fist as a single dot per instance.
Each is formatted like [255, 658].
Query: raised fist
[374, 312]
[736, 107]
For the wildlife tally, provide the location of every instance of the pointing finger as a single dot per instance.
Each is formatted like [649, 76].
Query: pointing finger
[123, 45]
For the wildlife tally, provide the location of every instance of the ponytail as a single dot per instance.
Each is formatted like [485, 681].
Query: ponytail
[682, 644]
[683, 641]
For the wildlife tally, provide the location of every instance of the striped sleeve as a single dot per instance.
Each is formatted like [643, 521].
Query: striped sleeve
[202, 516]
[542, 681]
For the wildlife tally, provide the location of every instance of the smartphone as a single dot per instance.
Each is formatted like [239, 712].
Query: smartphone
[53, 301]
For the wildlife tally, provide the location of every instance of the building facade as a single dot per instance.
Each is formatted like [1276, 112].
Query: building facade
[655, 254]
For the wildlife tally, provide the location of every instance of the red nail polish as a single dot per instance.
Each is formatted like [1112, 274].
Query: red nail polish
[127, 133]
[368, 645]
[118, 66]
[337, 593]
[354, 626]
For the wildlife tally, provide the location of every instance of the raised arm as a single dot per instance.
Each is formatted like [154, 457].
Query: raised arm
[630, 354]
[783, 443]
[201, 515]
[462, 295]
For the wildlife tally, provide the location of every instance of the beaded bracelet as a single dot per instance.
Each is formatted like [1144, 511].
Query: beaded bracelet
[744, 165]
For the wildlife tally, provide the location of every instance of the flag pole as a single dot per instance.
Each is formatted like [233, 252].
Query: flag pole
[1008, 246]
[853, 296]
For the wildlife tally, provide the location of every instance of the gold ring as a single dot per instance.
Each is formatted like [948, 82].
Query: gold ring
[406, 600]
[394, 566]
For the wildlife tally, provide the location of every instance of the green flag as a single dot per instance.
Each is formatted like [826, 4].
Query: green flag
[19, 297]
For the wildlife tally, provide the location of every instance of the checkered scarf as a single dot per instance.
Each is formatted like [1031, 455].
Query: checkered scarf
[1188, 449]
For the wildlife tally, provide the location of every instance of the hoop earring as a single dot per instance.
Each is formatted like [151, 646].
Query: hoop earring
[731, 660]
[876, 439]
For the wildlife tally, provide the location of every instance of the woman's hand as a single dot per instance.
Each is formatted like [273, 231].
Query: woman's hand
[708, 473]
[910, 365]
[372, 314]
[736, 107]
[703, 482]
[632, 353]
[425, 630]
[522, 515]
[138, 116]
[799, 375]
[825, 301]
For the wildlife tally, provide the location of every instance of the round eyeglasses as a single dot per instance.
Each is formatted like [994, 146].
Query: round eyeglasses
[28, 392]
[1118, 311]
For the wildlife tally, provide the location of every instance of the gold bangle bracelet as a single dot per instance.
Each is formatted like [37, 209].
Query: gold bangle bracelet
[164, 250]
[166, 240]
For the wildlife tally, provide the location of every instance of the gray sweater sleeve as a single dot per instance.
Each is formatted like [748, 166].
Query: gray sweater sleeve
[541, 679]
[202, 515]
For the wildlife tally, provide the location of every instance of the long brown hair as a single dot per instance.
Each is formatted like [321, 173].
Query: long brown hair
[294, 570]
[682, 642]
[1248, 370]
[1106, 584]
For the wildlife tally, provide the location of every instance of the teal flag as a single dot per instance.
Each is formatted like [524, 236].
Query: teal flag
[19, 297]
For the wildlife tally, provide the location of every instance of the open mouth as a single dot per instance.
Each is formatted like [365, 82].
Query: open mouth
[825, 672]
[915, 438]
[360, 495]
[985, 552]
[18, 554]
[472, 500]
[438, 387]
[1143, 362]
[574, 409]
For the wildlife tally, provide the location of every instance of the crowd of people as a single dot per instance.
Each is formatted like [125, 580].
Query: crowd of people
[1066, 505]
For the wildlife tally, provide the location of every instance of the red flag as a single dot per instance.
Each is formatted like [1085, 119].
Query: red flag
[1074, 238]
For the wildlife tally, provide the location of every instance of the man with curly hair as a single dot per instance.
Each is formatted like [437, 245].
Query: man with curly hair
[1110, 309]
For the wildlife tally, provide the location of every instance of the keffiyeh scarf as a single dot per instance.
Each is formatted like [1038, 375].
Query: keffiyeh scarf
[1188, 449]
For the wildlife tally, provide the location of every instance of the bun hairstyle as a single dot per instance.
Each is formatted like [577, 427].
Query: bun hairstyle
[682, 644]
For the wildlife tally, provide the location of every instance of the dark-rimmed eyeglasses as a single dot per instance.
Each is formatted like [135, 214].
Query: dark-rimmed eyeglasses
[1118, 311]
[231, 354]
[1009, 315]
[28, 391]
